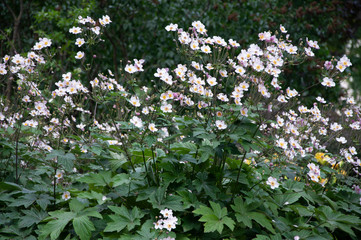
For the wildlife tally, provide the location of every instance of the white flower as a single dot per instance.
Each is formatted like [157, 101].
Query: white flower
[341, 140]
[166, 107]
[171, 27]
[66, 76]
[106, 20]
[282, 99]
[321, 99]
[264, 36]
[291, 49]
[137, 122]
[335, 127]
[75, 30]
[221, 124]
[26, 99]
[328, 82]
[3, 70]
[352, 150]
[81, 126]
[194, 45]
[158, 224]
[283, 29]
[345, 61]
[348, 113]
[167, 221]
[66, 196]
[273, 182]
[312, 44]
[309, 52]
[220, 41]
[240, 70]
[79, 55]
[130, 68]
[134, 100]
[169, 224]
[206, 49]
[233, 43]
[46, 42]
[167, 213]
[281, 143]
[79, 42]
[314, 177]
[223, 73]
[152, 128]
[244, 112]
[59, 174]
[96, 30]
[212, 81]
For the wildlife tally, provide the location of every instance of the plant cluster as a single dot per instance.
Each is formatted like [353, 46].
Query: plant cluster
[215, 145]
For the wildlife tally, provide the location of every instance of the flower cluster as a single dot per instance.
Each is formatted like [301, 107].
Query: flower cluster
[89, 24]
[314, 172]
[166, 221]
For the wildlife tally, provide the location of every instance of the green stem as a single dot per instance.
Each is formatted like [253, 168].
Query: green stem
[146, 169]
[155, 167]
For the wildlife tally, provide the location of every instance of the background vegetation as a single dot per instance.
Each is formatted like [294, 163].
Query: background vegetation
[139, 24]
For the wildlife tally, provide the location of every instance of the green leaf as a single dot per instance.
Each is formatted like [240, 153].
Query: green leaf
[287, 198]
[43, 200]
[9, 186]
[302, 210]
[91, 212]
[293, 185]
[76, 206]
[124, 218]
[57, 225]
[31, 217]
[100, 179]
[117, 160]
[92, 196]
[118, 224]
[150, 140]
[214, 218]
[262, 220]
[261, 237]
[67, 161]
[217, 210]
[346, 228]
[120, 179]
[145, 230]
[83, 227]
[25, 200]
[203, 210]
[159, 200]
[241, 212]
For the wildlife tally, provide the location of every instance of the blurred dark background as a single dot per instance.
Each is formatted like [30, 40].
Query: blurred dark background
[137, 31]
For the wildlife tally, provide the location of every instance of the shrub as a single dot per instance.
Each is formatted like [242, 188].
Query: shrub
[215, 145]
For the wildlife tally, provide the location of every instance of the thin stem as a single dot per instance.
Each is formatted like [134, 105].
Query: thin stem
[244, 156]
[17, 155]
[54, 193]
[125, 149]
[155, 166]
[146, 169]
